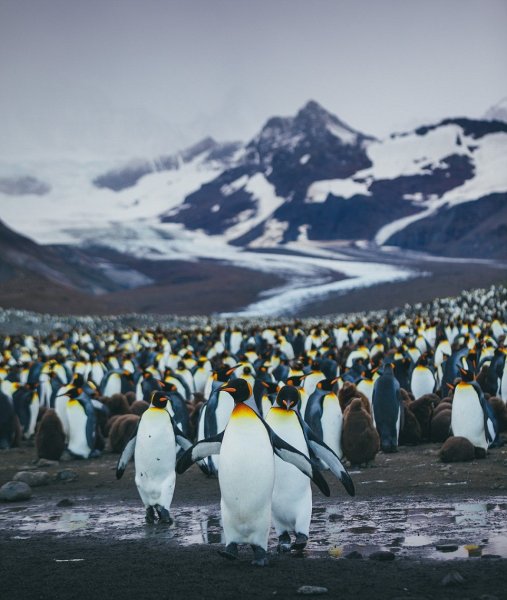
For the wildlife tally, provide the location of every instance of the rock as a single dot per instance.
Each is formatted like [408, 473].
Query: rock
[45, 462]
[382, 556]
[13, 491]
[67, 475]
[354, 555]
[312, 590]
[65, 502]
[452, 578]
[447, 547]
[33, 478]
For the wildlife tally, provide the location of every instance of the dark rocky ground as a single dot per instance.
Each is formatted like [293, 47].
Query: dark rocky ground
[99, 546]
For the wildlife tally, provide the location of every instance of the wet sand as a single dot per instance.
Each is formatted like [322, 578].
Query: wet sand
[422, 511]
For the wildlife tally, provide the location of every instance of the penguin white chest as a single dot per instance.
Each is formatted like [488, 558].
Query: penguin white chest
[246, 478]
[155, 457]
[332, 423]
[423, 382]
[77, 422]
[292, 494]
[467, 417]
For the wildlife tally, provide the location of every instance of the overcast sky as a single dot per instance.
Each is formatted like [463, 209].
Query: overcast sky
[130, 77]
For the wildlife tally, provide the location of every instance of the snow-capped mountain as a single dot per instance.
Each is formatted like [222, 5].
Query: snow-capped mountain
[497, 112]
[301, 184]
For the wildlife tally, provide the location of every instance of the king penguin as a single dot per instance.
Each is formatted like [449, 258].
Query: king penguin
[247, 472]
[292, 493]
[153, 446]
[472, 416]
[81, 422]
[324, 415]
[388, 409]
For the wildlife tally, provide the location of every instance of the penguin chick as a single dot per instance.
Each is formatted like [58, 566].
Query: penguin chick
[440, 427]
[139, 407]
[348, 392]
[124, 426]
[457, 449]
[50, 437]
[360, 440]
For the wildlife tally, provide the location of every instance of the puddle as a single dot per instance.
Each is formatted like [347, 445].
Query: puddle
[435, 530]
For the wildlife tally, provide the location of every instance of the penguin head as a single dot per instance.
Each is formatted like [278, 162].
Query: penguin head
[326, 384]
[271, 386]
[295, 380]
[239, 389]
[158, 399]
[224, 372]
[288, 397]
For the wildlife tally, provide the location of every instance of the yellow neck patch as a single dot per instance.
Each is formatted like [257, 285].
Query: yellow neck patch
[242, 411]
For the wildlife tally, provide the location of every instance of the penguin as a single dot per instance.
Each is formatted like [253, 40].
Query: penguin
[26, 404]
[292, 494]
[247, 472]
[214, 416]
[472, 417]
[262, 393]
[10, 430]
[324, 415]
[422, 379]
[360, 440]
[388, 409]
[117, 381]
[312, 378]
[50, 437]
[82, 424]
[153, 446]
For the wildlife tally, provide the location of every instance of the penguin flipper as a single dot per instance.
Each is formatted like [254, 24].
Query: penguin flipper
[200, 450]
[289, 454]
[323, 452]
[182, 441]
[126, 455]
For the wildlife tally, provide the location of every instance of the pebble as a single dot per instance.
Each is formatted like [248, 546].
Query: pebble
[354, 555]
[67, 475]
[382, 556]
[33, 478]
[15, 490]
[447, 547]
[452, 578]
[312, 590]
[65, 502]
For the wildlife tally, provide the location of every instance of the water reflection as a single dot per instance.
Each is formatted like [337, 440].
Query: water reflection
[435, 530]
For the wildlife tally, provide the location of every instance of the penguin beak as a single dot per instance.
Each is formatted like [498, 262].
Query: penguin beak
[287, 404]
[228, 389]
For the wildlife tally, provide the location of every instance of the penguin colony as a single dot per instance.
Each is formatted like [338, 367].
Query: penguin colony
[265, 407]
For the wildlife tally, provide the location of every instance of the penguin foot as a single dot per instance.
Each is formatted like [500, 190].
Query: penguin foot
[163, 515]
[230, 551]
[300, 542]
[260, 556]
[150, 515]
[95, 453]
[283, 543]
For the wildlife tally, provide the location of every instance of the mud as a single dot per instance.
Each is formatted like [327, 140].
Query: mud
[433, 518]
